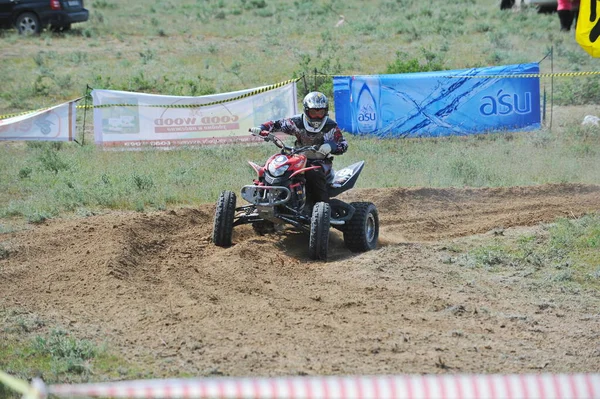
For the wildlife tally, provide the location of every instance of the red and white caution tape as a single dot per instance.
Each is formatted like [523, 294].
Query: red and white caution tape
[529, 386]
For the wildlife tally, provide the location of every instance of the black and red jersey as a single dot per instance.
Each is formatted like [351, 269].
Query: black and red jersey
[294, 126]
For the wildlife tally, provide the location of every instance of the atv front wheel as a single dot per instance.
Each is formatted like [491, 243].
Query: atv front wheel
[362, 231]
[318, 243]
[224, 213]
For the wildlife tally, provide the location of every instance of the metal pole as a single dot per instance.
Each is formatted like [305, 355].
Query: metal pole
[85, 104]
[551, 85]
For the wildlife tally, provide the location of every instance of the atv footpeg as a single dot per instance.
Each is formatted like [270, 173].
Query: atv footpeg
[266, 195]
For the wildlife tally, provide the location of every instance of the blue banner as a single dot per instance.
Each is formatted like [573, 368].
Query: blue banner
[431, 104]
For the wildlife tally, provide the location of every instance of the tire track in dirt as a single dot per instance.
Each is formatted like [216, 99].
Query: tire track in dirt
[426, 214]
[155, 288]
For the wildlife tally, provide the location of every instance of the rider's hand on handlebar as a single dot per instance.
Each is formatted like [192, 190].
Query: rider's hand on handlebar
[325, 149]
[257, 131]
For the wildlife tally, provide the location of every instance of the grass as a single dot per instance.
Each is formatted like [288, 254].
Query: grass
[564, 254]
[193, 48]
[30, 348]
[46, 180]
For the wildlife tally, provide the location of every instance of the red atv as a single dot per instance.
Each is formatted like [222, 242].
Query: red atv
[278, 197]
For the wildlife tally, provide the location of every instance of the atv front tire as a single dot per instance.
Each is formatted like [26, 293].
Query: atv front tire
[362, 231]
[224, 213]
[318, 243]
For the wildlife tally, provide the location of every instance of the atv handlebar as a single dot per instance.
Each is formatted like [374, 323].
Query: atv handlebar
[280, 144]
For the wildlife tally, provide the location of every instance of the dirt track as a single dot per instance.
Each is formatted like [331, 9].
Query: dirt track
[155, 288]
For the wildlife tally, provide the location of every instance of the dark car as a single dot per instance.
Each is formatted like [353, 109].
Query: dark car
[31, 16]
[543, 6]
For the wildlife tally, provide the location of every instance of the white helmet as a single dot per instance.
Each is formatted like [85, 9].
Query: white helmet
[316, 109]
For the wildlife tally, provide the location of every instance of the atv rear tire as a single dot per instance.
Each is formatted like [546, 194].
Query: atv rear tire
[318, 243]
[362, 231]
[224, 213]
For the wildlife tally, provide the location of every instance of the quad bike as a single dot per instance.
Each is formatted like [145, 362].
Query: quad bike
[278, 198]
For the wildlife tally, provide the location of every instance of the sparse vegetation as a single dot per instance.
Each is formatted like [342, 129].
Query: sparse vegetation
[29, 347]
[566, 253]
[274, 40]
[44, 180]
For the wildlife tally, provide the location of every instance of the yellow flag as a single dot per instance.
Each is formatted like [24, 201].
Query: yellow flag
[587, 33]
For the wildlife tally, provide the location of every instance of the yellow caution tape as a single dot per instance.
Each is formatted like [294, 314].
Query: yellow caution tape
[528, 75]
[20, 113]
[249, 94]
[281, 84]
[35, 391]
[522, 75]
[31, 112]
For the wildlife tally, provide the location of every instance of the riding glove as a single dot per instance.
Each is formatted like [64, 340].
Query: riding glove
[325, 149]
[255, 131]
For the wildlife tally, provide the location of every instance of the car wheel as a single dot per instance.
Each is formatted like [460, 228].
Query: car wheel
[28, 24]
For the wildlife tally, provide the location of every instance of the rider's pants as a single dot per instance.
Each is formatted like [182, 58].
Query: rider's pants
[316, 185]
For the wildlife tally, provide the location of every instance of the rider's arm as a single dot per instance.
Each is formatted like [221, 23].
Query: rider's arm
[286, 126]
[336, 140]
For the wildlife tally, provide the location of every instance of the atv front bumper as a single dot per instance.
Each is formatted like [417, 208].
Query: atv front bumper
[267, 196]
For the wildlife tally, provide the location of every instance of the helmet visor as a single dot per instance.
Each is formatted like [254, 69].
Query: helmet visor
[314, 113]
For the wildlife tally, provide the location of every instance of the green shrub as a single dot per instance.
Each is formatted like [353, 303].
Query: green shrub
[255, 4]
[404, 64]
[60, 346]
[25, 172]
[51, 161]
[39, 216]
[103, 4]
[67, 354]
[577, 91]
[464, 171]
[142, 182]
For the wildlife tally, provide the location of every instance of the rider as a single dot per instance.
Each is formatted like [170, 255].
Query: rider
[312, 127]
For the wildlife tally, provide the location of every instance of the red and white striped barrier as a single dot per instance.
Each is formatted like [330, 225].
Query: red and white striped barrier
[528, 386]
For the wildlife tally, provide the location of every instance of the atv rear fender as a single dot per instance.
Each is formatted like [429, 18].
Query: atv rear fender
[345, 179]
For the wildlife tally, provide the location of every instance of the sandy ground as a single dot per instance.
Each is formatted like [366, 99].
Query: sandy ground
[153, 287]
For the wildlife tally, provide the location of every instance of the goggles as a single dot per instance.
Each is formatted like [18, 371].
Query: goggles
[315, 113]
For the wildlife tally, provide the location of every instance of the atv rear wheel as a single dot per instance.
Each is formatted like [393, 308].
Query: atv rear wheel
[362, 231]
[318, 243]
[224, 213]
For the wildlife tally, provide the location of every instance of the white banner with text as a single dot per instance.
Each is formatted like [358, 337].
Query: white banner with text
[51, 124]
[136, 120]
